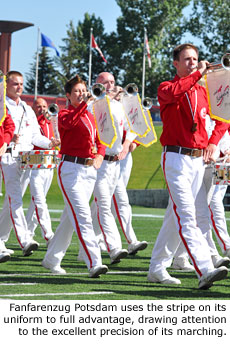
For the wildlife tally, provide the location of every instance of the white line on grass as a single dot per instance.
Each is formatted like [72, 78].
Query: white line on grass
[64, 275]
[12, 284]
[58, 294]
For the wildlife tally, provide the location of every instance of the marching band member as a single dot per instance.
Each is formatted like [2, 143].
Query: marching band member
[108, 176]
[40, 181]
[186, 148]
[82, 156]
[6, 134]
[16, 180]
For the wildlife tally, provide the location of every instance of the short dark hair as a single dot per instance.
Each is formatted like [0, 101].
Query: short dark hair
[178, 49]
[73, 81]
[13, 73]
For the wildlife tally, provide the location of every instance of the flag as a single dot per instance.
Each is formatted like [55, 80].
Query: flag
[94, 45]
[46, 42]
[147, 50]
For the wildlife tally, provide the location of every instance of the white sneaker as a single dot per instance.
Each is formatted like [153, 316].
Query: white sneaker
[117, 254]
[218, 261]
[133, 248]
[54, 269]
[96, 271]
[182, 264]
[4, 257]
[3, 248]
[207, 280]
[29, 248]
[162, 277]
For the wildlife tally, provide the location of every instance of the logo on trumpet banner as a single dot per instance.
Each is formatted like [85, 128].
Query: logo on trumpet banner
[102, 121]
[221, 94]
[133, 115]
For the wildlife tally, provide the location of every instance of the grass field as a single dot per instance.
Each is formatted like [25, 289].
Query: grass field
[24, 278]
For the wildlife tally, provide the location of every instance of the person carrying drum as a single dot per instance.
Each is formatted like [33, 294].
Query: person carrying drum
[26, 135]
[40, 180]
[186, 148]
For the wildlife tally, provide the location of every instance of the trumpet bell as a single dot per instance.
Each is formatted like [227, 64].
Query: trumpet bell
[131, 89]
[224, 63]
[53, 109]
[98, 90]
[147, 103]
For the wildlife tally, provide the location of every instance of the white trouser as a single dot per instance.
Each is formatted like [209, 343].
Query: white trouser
[184, 176]
[218, 219]
[16, 182]
[38, 212]
[121, 208]
[103, 219]
[77, 182]
[61, 240]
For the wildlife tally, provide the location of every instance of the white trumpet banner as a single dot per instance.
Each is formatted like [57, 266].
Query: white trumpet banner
[151, 136]
[2, 99]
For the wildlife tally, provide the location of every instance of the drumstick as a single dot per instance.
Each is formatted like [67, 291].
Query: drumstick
[20, 124]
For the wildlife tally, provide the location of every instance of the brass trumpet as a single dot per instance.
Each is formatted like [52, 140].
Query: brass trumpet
[131, 89]
[224, 63]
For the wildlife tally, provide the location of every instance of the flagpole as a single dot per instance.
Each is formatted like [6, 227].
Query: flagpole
[143, 70]
[36, 71]
[90, 58]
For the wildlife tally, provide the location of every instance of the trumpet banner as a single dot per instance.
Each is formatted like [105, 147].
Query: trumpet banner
[217, 85]
[135, 115]
[104, 122]
[2, 98]
[151, 136]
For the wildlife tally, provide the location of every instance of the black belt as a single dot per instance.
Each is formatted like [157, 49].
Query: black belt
[111, 158]
[9, 150]
[78, 160]
[184, 151]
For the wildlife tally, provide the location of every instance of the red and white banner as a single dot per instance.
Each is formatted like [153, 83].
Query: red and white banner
[147, 50]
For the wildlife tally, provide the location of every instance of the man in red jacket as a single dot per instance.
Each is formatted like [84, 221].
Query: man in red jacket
[186, 147]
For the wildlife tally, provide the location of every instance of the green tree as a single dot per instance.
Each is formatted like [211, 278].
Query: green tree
[47, 76]
[164, 23]
[209, 21]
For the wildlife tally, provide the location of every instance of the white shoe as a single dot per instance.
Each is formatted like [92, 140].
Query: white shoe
[29, 248]
[54, 269]
[182, 264]
[117, 254]
[162, 277]
[3, 248]
[218, 261]
[4, 257]
[96, 271]
[133, 248]
[216, 274]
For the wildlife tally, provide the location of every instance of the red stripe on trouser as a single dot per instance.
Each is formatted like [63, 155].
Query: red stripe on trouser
[74, 216]
[101, 227]
[38, 218]
[119, 217]
[215, 228]
[178, 219]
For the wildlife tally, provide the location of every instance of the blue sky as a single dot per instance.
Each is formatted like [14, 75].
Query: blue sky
[52, 17]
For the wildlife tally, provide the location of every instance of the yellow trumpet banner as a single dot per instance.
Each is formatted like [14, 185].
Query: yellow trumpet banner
[153, 130]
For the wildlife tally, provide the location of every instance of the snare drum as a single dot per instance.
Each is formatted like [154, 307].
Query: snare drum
[221, 173]
[38, 159]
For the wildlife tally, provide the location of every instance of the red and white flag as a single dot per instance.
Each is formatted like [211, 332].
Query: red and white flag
[94, 45]
[147, 50]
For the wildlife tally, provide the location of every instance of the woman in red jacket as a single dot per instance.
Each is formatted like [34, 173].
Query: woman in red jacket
[82, 154]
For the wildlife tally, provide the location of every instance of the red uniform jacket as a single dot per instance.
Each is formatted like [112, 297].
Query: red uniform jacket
[46, 129]
[177, 115]
[78, 132]
[7, 130]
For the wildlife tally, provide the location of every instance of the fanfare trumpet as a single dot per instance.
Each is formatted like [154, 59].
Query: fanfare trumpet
[98, 91]
[147, 103]
[53, 110]
[224, 63]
